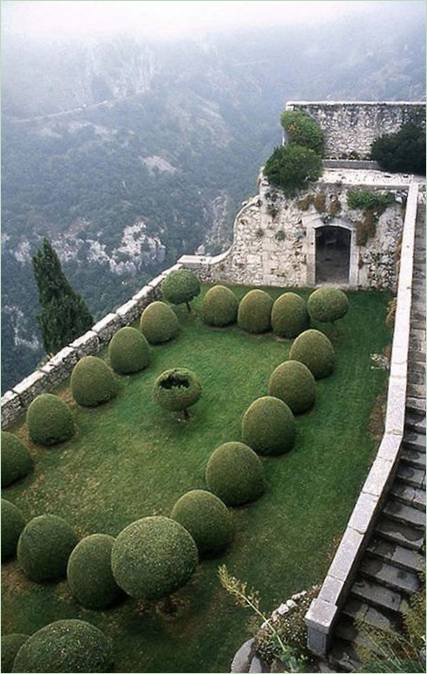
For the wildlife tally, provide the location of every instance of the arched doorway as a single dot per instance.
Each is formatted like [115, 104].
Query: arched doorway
[332, 254]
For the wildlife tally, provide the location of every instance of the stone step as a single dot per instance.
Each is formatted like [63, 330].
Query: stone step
[418, 334]
[409, 495]
[377, 595]
[396, 555]
[360, 610]
[348, 631]
[398, 580]
[416, 377]
[413, 476]
[343, 657]
[416, 391]
[402, 534]
[415, 405]
[413, 439]
[418, 324]
[404, 514]
[416, 357]
[414, 458]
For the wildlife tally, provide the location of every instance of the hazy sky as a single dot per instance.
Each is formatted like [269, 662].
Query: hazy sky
[165, 18]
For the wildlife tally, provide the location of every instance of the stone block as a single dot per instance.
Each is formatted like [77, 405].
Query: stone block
[30, 387]
[347, 555]
[331, 590]
[242, 659]
[59, 366]
[11, 408]
[320, 619]
[378, 478]
[390, 447]
[129, 311]
[87, 344]
[396, 399]
[363, 513]
[107, 327]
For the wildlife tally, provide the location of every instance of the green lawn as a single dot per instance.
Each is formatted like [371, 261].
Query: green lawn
[130, 459]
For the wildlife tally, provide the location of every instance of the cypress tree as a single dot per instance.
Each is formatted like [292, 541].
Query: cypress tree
[64, 314]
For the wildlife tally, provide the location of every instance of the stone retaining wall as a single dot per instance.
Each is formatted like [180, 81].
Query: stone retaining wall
[58, 368]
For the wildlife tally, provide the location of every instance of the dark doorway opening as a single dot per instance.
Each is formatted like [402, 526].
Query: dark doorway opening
[332, 254]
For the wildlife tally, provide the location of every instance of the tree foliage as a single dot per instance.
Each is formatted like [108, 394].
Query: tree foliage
[302, 130]
[292, 167]
[403, 151]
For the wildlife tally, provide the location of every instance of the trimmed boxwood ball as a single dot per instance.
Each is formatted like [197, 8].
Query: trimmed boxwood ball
[289, 316]
[293, 383]
[15, 459]
[254, 313]
[153, 557]
[49, 420]
[327, 304]
[315, 350]
[180, 286]
[207, 519]
[44, 547]
[89, 572]
[12, 523]
[66, 646]
[220, 306]
[92, 382]
[159, 323]
[129, 351]
[268, 426]
[235, 474]
[10, 645]
[177, 389]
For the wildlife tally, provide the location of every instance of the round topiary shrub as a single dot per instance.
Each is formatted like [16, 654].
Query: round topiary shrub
[293, 383]
[315, 350]
[129, 351]
[289, 316]
[268, 426]
[254, 313]
[92, 382]
[235, 474]
[220, 306]
[176, 390]
[66, 646]
[159, 323]
[10, 645]
[44, 547]
[15, 459]
[89, 572]
[207, 519]
[153, 557]
[12, 523]
[49, 420]
[180, 286]
[327, 304]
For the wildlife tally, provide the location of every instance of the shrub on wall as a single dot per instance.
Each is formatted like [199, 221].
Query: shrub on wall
[180, 287]
[49, 420]
[327, 304]
[315, 350]
[293, 383]
[254, 314]
[12, 523]
[292, 167]
[289, 315]
[219, 307]
[404, 151]
[207, 519]
[268, 426]
[15, 459]
[66, 646]
[129, 351]
[176, 390]
[159, 323]
[10, 645]
[44, 547]
[303, 130]
[89, 572]
[373, 205]
[153, 557]
[92, 382]
[235, 474]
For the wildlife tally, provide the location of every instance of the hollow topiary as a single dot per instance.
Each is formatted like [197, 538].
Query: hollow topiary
[254, 313]
[207, 519]
[176, 390]
[89, 572]
[49, 420]
[129, 351]
[153, 557]
[44, 547]
[293, 383]
[92, 382]
[180, 286]
[66, 646]
[159, 323]
[10, 645]
[268, 426]
[289, 316]
[235, 474]
[220, 306]
[12, 523]
[15, 459]
[315, 350]
[327, 304]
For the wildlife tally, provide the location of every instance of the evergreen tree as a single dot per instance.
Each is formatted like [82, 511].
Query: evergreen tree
[64, 314]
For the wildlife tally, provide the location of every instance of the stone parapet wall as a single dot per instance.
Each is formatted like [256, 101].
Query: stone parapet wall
[15, 402]
[351, 127]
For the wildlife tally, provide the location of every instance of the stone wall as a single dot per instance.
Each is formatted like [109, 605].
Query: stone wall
[351, 128]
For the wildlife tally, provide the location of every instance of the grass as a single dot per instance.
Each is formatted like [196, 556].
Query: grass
[130, 459]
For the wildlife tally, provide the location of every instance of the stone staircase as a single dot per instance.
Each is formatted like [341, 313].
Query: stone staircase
[388, 572]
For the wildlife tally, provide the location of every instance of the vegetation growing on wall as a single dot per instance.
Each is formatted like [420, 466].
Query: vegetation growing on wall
[302, 130]
[292, 166]
[404, 151]
[373, 205]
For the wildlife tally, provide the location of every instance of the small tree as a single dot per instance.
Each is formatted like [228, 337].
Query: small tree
[181, 287]
[302, 130]
[176, 390]
[292, 167]
[64, 314]
[402, 151]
